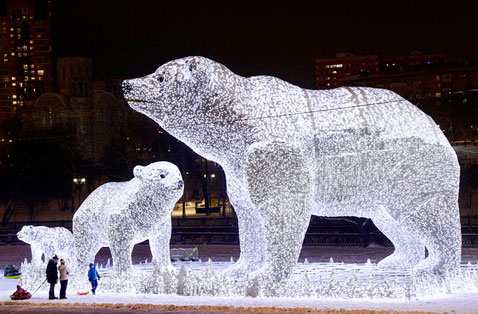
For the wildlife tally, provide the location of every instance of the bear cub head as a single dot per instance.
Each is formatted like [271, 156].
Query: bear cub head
[28, 233]
[161, 178]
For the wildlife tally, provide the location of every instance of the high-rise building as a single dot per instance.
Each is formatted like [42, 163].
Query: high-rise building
[415, 58]
[74, 76]
[25, 54]
[330, 70]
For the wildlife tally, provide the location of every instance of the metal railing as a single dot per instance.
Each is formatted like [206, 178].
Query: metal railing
[224, 230]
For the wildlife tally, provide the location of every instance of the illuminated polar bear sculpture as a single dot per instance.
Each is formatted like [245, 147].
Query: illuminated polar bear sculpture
[289, 153]
[48, 242]
[122, 214]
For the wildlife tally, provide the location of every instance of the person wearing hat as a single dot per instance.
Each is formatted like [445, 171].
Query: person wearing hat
[64, 272]
[52, 276]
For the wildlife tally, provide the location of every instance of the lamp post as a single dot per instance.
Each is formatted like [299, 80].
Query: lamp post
[79, 182]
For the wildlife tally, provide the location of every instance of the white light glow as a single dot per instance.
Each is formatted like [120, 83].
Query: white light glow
[289, 153]
[119, 215]
[47, 242]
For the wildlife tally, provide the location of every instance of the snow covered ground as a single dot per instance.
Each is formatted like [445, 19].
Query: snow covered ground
[318, 267]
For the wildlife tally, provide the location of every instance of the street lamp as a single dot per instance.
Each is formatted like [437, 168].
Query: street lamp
[79, 182]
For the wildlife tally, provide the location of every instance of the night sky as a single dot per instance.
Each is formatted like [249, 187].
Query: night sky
[280, 38]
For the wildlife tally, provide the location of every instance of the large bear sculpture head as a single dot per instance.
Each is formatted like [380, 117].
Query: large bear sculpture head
[184, 96]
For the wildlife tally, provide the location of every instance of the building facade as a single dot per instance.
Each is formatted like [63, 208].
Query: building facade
[330, 70]
[25, 49]
[415, 58]
[92, 117]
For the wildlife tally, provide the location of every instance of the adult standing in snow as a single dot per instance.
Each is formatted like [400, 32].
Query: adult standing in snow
[64, 272]
[93, 277]
[52, 276]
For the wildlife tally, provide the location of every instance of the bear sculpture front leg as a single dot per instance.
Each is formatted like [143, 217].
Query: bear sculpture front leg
[159, 243]
[251, 229]
[280, 185]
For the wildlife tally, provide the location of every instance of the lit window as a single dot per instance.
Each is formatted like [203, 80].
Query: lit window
[14, 84]
[437, 95]
[40, 78]
[13, 78]
[14, 102]
[38, 35]
[14, 96]
[327, 66]
[21, 84]
[33, 78]
[40, 72]
[25, 66]
[26, 78]
[13, 54]
[340, 65]
[32, 71]
[11, 35]
[5, 55]
[334, 72]
[31, 41]
[5, 60]
[25, 47]
[11, 29]
[32, 66]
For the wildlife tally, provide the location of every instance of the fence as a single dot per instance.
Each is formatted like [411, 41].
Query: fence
[345, 231]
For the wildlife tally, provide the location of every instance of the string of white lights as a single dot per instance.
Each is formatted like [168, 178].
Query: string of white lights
[288, 153]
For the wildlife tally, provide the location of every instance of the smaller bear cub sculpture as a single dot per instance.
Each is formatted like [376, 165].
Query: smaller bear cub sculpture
[121, 214]
[48, 242]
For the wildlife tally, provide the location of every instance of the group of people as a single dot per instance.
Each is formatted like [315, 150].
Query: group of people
[52, 277]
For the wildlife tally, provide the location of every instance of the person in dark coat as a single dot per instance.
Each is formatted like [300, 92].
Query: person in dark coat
[93, 277]
[52, 276]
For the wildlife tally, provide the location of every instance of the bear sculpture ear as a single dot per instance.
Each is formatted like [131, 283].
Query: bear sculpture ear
[138, 171]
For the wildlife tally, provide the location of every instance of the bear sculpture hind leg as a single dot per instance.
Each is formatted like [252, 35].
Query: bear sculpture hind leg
[280, 186]
[434, 217]
[120, 236]
[409, 251]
